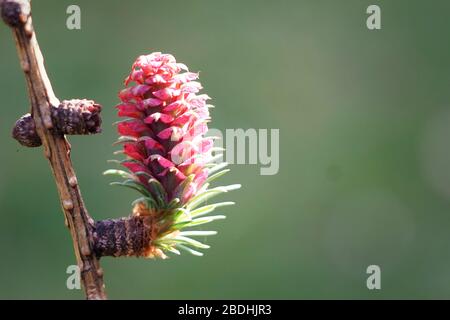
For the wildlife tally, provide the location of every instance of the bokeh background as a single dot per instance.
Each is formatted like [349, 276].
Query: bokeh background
[364, 119]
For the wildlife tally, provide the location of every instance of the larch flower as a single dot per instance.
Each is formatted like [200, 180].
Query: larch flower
[169, 160]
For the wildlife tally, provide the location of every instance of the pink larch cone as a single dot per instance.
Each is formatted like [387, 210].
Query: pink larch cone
[168, 124]
[168, 155]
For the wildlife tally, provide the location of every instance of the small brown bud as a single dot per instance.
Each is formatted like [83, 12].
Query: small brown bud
[77, 117]
[24, 131]
[70, 117]
[85, 251]
[15, 12]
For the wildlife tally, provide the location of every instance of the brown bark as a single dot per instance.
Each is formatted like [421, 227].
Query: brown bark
[17, 14]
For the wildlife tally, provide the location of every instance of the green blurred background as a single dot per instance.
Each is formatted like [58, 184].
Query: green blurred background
[364, 123]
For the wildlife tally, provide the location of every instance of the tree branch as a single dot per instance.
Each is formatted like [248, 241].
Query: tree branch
[17, 14]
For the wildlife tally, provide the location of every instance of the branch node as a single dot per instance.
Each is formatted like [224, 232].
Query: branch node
[73, 181]
[67, 204]
[48, 123]
[25, 66]
[86, 251]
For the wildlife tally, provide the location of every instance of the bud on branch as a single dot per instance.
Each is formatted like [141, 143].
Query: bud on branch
[70, 117]
[130, 236]
[15, 13]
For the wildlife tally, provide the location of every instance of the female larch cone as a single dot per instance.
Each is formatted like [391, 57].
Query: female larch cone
[168, 121]
[169, 158]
